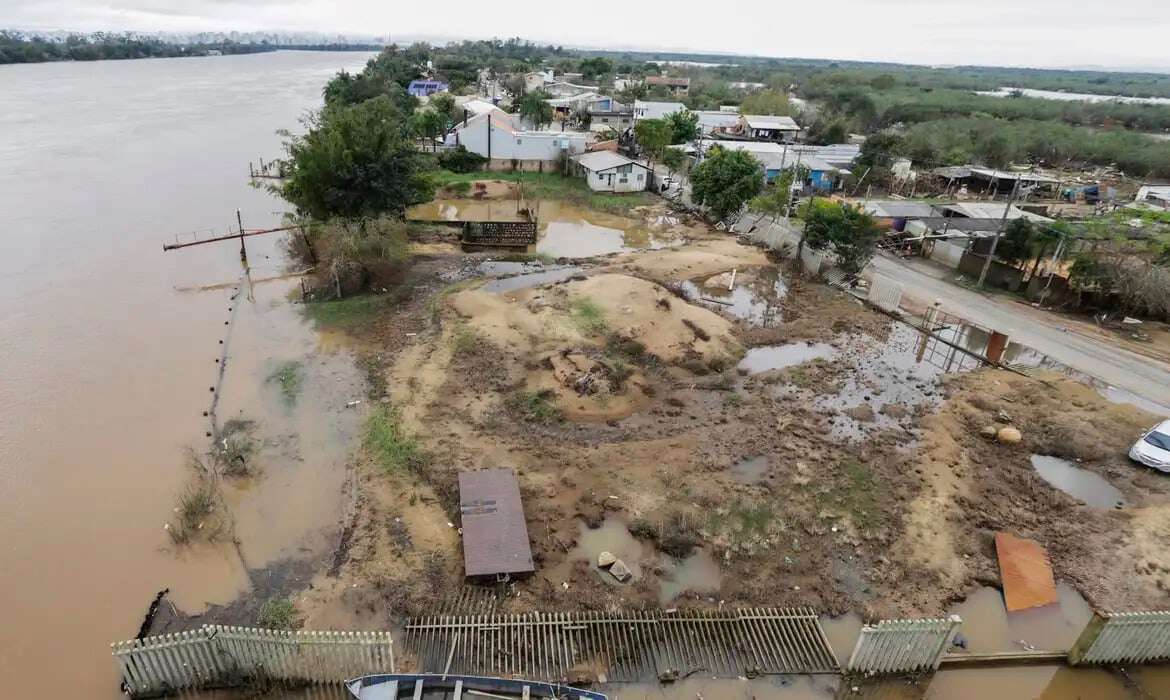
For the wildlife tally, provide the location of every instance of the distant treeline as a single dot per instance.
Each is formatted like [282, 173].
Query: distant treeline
[100, 47]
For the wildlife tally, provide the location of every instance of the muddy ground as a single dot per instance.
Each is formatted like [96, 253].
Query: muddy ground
[854, 480]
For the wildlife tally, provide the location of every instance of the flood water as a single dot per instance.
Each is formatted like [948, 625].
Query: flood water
[563, 229]
[1082, 484]
[110, 347]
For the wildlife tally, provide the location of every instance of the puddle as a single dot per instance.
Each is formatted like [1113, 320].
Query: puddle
[701, 687]
[697, 573]
[754, 298]
[563, 230]
[770, 357]
[988, 626]
[751, 470]
[1088, 487]
[889, 384]
[612, 537]
[842, 633]
[531, 279]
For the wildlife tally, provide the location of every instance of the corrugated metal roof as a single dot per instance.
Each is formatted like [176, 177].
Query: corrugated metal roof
[993, 174]
[899, 209]
[992, 210]
[767, 121]
[597, 161]
[495, 536]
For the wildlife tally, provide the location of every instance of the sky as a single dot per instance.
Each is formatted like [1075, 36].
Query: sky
[1036, 33]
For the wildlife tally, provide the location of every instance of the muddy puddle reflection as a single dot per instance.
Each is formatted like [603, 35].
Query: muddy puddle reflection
[612, 537]
[563, 230]
[889, 384]
[698, 573]
[1087, 487]
[752, 295]
[988, 626]
[772, 357]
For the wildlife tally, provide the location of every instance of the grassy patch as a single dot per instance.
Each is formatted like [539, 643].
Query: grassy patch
[197, 514]
[347, 312]
[394, 448]
[236, 447]
[288, 377]
[277, 614]
[535, 407]
[856, 494]
[464, 341]
[589, 317]
[554, 186]
[732, 400]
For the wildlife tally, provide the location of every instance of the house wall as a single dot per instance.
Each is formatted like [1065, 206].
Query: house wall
[611, 181]
[998, 275]
[948, 253]
[821, 180]
[507, 146]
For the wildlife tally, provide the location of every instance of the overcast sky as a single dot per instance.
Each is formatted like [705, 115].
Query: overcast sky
[1040, 33]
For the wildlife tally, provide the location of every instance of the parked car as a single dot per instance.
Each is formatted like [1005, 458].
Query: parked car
[1153, 449]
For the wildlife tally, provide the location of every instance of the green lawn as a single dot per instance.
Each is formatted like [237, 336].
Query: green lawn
[554, 186]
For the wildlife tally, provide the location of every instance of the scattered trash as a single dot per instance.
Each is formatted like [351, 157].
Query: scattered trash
[989, 431]
[351, 404]
[1129, 321]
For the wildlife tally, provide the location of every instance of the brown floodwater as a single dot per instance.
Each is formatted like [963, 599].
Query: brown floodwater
[109, 348]
[564, 230]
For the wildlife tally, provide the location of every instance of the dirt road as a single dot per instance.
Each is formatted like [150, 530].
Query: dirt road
[1045, 332]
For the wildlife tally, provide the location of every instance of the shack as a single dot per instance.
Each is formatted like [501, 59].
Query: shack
[605, 171]
[495, 536]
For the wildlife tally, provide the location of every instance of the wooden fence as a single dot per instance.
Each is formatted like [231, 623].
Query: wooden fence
[218, 656]
[1123, 638]
[902, 646]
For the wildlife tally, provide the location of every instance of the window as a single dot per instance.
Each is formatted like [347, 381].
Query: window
[1159, 440]
[625, 169]
[518, 142]
[624, 178]
[639, 177]
[600, 176]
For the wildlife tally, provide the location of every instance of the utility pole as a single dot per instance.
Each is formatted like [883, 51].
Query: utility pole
[243, 249]
[995, 241]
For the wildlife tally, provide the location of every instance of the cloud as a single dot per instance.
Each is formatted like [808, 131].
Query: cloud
[1037, 33]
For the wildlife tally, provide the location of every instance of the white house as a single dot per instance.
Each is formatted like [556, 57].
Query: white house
[606, 171]
[497, 136]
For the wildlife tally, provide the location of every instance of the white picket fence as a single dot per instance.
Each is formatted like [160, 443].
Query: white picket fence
[902, 646]
[885, 294]
[1129, 638]
[215, 655]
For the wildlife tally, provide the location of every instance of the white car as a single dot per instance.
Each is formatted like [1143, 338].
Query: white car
[1153, 450]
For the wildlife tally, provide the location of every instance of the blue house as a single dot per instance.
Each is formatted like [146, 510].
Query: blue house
[426, 88]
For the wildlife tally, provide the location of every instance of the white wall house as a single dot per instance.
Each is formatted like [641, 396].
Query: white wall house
[606, 171]
[498, 137]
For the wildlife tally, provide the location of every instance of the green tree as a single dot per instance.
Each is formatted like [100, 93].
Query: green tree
[725, 180]
[593, 68]
[684, 126]
[848, 232]
[677, 162]
[653, 135]
[356, 161]
[444, 104]
[776, 200]
[1016, 243]
[766, 102]
[428, 124]
[534, 108]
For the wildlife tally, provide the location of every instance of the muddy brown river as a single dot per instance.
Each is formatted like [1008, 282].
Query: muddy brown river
[109, 349]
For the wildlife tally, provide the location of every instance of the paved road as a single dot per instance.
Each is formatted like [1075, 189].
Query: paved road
[1042, 331]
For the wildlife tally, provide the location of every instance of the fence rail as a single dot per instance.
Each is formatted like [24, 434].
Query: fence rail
[902, 646]
[622, 646]
[217, 656]
[1132, 638]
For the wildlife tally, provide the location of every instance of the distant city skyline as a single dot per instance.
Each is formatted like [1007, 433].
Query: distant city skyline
[1042, 33]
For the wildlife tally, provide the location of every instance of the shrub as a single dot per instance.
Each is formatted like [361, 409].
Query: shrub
[461, 160]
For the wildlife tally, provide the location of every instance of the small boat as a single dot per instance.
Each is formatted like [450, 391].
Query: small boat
[388, 686]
